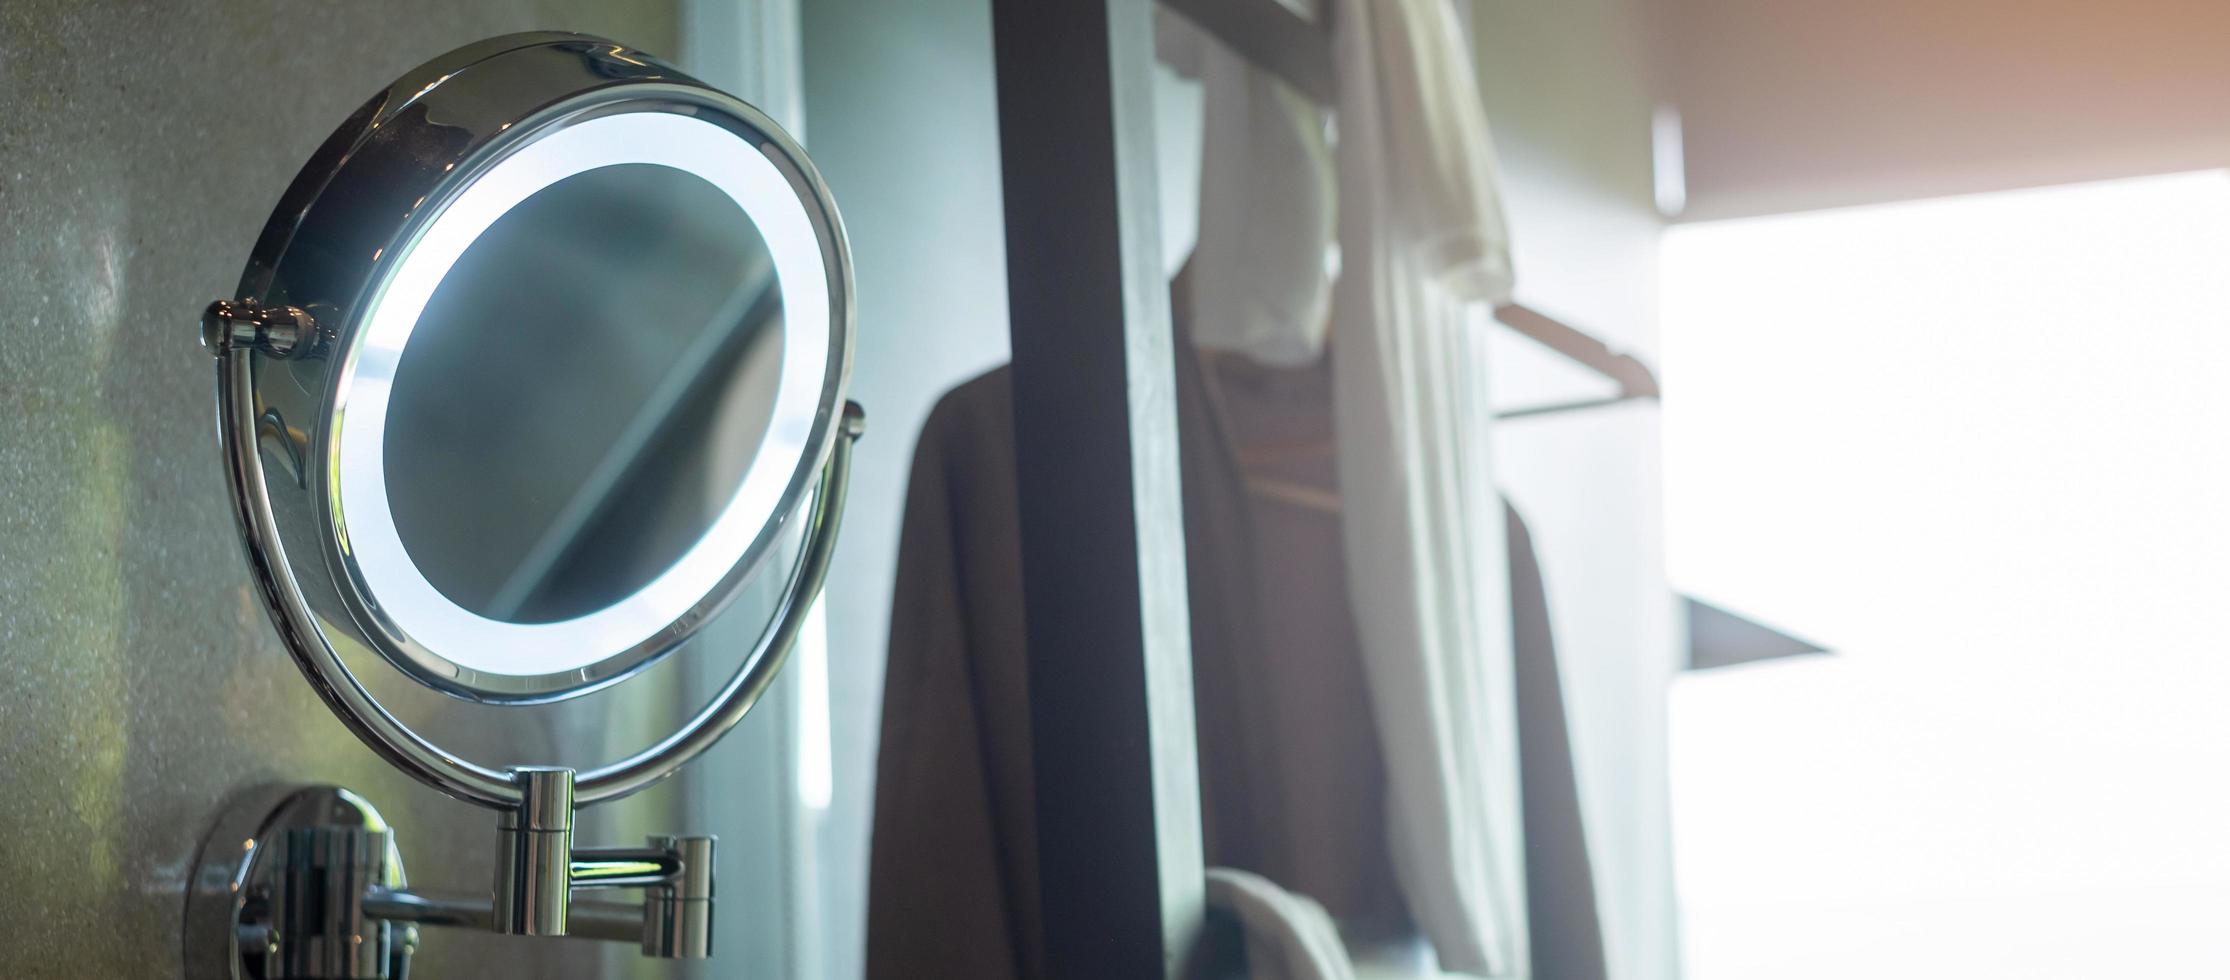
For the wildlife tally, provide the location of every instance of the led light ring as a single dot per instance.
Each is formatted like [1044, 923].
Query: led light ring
[365, 520]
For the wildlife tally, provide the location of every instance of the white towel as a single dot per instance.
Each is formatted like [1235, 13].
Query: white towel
[1425, 257]
[1288, 936]
[1264, 258]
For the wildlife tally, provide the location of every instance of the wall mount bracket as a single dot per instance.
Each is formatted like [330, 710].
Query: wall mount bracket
[307, 883]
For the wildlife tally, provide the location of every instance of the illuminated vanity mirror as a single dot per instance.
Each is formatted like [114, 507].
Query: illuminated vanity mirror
[535, 363]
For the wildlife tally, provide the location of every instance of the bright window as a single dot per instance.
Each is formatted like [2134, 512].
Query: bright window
[1981, 448]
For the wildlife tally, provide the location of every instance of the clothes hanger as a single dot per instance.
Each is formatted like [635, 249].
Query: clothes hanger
[1635, 379]
[1295, 493]
[1294, 44]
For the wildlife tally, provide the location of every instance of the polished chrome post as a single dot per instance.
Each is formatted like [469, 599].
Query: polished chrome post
[320, 931]
[534, 854]
[677, 915]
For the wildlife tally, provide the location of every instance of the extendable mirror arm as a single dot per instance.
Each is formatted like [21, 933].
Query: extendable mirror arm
[537, 871]
[318, 892]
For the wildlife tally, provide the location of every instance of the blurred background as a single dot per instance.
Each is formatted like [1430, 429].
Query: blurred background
[1888, 628]
[1936, 295]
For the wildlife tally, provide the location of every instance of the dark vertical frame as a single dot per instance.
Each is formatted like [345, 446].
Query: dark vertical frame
[1118, 812]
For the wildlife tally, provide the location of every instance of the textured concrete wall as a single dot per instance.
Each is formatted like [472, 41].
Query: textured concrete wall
[141, 147]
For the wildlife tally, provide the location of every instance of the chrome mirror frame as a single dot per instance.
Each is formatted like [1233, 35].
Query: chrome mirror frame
[286, 351]
[352, 222]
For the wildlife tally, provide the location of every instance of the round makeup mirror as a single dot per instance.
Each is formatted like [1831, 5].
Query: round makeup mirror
[536, 362]
[552, 342]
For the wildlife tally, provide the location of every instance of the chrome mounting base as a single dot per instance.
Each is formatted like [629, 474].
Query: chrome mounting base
[306, 883]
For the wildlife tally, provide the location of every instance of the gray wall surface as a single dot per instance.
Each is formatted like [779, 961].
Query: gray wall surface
[141, 148]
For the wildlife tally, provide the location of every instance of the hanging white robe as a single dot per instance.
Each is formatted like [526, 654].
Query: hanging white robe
[1424, 258]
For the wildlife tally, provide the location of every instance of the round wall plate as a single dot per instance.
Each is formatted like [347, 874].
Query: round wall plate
[229, 901]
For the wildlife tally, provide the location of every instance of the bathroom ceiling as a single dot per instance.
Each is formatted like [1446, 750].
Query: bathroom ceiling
[1791, 105]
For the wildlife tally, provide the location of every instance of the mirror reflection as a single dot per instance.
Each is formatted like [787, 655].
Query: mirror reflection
[583, 393]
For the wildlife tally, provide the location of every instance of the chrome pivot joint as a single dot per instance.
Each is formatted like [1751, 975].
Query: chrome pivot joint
[538, 869]
[282, 332]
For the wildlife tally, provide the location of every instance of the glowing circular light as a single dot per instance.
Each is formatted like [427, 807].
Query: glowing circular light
[366, 523]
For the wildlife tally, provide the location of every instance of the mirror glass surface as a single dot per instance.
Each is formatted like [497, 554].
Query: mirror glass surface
[583, 393]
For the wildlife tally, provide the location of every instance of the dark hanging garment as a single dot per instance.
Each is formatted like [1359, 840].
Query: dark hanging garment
[952, 868]
[1563, 922]
[1291, 768]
